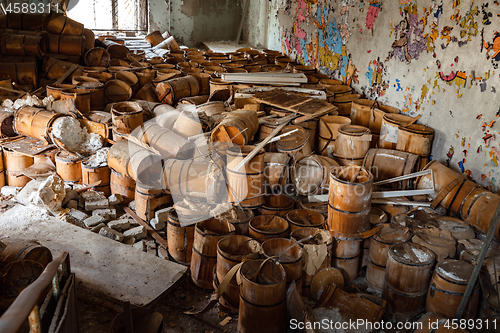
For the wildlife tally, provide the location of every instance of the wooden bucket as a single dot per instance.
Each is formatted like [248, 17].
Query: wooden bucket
[20, 249]
[6, 125]
[238, 127]
[289, 254]
[304, 218]
[275, 171]
[123, 185]
[168, 143]
[265, 227]
[353, 141]
[246, 186]
[126, 116]
[96, 94]
[296, 145]
[89, 39]
[117, 91]
[60, 24]
[239, 218]
[318, 254]
[179, 239]
[97, 57]
[154, 38]
[204, 255]
[389, 129]
[91, 175]
[387, 163]
[24, 74]
[148, 199]
[327, 133]
[68, 167]
[203, 81]
[320, 207]
[388, 235]
[346, 215]
[83, 79]
[211, 108]
[231, 250]
[366, 112]
[375, 276]
[262, 300]
[346, 256]
[416, 139]
[147, 93]
[344, 103]
[279, 205]
[407, 278]
[338, 90]
[2, 171]
[145, 76]
[311, 174]
[15, 163]
[35, 122]
[169, 92]
[68, 45]
[196, 180]
[23, 44]
[81, 98]
[330, 82]
[129, 78]
[447, 288]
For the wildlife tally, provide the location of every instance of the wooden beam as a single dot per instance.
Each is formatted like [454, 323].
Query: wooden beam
[150, 230]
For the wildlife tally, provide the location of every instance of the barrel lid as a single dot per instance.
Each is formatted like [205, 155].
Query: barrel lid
[419, 129]
[346, 98]
[452, 224]
[458, 271]
[417, 219]
[396, 118]
[294, 140]
[378, 216]
[392, 232]
[351, 174]
[354, 130]
[412, 254]
[66, 157]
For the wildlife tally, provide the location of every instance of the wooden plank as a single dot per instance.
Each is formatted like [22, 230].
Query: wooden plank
[28, 146]
[151, 231]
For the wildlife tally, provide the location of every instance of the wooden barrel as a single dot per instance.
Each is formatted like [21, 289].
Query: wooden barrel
[276, 204]
[458, 228]
[117, 91]
[148, 199]
[447, 288]
[23, 45]
[68, 167]
[7, 124]
[123, 185]
[179, 239]
[266, 227]
[296, 145]
[91, 175]
[169, 92]
[345, 215]
[239, 218]
[96, 89]
[195, 179]
[338, 90]
[289, 254]
[59, 24]
[304, 218]
[231, 250]
[126, 116]
[15, 163]
[262, 300]
[433, 323]
[35, 122]
[311, 174]
[346, 256]
[416, 139]
[145, 76]
[204, 255]
[275, 171]
[389, 129]
[89, 39]
[318, 247]
[327, 133]
[56, 89]
[380, 243]
[129, 78]
[246, 186]
[387, 163]
[218, 84]
[238, 127]
[154, 38]
[19, 249]
[352, 141]
[344, 103]
[212, 108]
[97, 57]
[407, 277]
[203, 81]
[81, 98]
[24, 74]
[68, 45]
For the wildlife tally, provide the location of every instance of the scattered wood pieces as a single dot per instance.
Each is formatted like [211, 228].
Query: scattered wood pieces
[225, 321]
[150, 230]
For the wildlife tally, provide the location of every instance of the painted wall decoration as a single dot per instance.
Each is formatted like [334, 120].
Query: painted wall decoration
[434, 58]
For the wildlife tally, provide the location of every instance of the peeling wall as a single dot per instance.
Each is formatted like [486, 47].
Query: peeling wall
[434, 58]
[196, 21]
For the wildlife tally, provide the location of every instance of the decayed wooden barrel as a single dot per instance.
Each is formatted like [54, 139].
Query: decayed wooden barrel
[6, 125]
[239, 218]
[123, 185]
[117, 91]
[68, 167]
[352, 141]
[349, 200]
[387, 163]
[126, 116]
[59, 24]
[97, 101]
[344, 103]
[129, 78]
[276, 204]
[20, 249]
[346, 256]
[15, 163]
[304, 218]
[369, 113]
[180, 239]
[168, 143]
[238, 127]
[265, 227]
[416, 139]
[187, 124]
[407, 277]
[56, 89]
[246, 186]
[327, 133]
[204, 256]
[389, 129]
[275, 171]
[311, 174]
[154, 38]
[232, 250]
[148, 199]
[447, 288]
[35, 122]
[296, 144]
[262, 301]
[68, 45]
[97, 57]
[81, 98]
[289, 255]
[23, 44]
[89, 39]
[92, 175]
[169, 92]
[24, 74]
[145, 76]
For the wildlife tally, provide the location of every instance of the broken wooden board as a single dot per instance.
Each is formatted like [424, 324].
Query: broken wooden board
[294, 102]
[28, 146]
[100, 264]
[95, 127]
